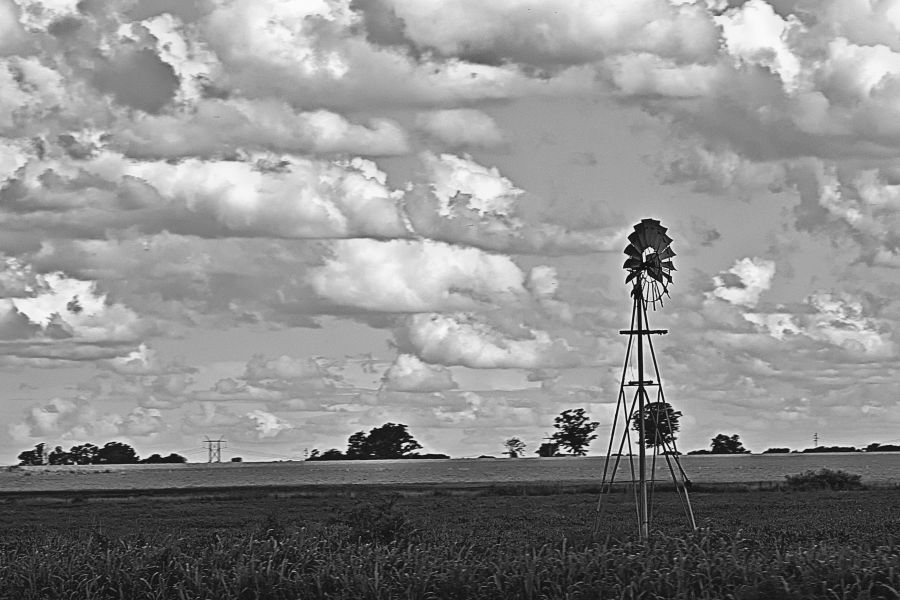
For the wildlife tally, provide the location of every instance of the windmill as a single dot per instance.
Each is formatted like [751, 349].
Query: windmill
[649, 266]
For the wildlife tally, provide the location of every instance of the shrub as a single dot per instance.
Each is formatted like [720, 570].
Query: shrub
[376, 521]
[824, 479]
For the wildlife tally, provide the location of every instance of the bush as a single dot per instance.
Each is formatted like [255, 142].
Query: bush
[376, 521]
[824, 479]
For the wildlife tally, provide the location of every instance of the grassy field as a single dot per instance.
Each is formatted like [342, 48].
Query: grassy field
[753, 545]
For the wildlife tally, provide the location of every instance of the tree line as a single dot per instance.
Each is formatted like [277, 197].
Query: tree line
[111, 453]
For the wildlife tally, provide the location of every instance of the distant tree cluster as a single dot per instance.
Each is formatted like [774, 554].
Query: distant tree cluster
[391, 440]
[111, 453]
[724, 444]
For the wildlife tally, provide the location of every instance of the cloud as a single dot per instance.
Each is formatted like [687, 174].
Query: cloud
[250, 426]
[553, 35]
[52, 317]
[144, 361]
[267, 425]
[745, 282]
[388, 276]
[460, 128]
[312, 54]
[464, 202]
[285, 197]
[215, 127]
[76, 420]
[463, 339]
[836, 320]
[486, 190]
[410, 374]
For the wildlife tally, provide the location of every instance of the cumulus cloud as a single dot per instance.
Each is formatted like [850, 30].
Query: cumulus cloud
[310, 54]
[410, 374]
[416, 276]
[215, 127]
[267, 425]
[53, 317]
[745, 282]
[463, 339]
[460, 127]
[836, 320]
[78, 421]
[464, 202]
[286, 197]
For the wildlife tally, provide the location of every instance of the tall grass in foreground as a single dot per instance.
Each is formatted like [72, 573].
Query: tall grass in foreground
[333, 563]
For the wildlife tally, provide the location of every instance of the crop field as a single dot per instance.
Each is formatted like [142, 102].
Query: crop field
[875, 468]
[765, 545]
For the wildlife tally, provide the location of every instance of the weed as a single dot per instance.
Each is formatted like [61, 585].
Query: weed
[824, 479]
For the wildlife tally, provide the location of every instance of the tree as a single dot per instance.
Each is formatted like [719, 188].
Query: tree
[514, 447]
[116, 453]
[60, 457]
[333, 454]
[157, 459]
[722, 444]
[32, 457]
[391, 440]
[84, 454]
[574, 431]
[660, 424]
[547, 450]
[357, 445]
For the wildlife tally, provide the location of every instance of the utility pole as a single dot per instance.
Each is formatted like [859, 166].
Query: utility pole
[215, 454]
[816, 440]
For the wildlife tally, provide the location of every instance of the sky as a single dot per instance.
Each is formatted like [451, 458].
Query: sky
[280, 222]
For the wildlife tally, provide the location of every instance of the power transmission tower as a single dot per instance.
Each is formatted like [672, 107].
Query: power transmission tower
[215, 453]
[816, 440]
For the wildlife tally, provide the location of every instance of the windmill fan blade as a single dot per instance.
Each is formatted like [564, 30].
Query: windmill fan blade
[669, 265]
[635, 240]
[652, 236]
[655, 274]
[631, 276]
[642, 236]
[632, 264]
[632, 251]
[666, 253]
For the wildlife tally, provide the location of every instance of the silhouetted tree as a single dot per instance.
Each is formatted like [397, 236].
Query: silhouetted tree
[575, 431]
[391, 440]
[84, 454]
[333, 454]
[777, 451]
[60, 457]
[547, 450]
[722, 444]
[157, 459]
[116, 453]
[514, 447]
[660, 423]
[32, 457]
[357, 445]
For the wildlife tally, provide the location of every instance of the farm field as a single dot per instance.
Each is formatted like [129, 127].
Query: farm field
[875, 468]
[752, 545]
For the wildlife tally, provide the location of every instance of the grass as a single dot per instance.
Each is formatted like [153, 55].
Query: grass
[771, 545]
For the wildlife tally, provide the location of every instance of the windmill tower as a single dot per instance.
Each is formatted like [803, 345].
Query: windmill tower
[649, 266]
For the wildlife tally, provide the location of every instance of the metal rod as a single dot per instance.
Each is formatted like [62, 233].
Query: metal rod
[642, 452]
